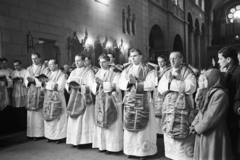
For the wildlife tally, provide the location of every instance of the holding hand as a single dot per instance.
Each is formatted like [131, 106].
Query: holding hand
[192, 130]
[30, 79]
[132, 79]
[99, 81]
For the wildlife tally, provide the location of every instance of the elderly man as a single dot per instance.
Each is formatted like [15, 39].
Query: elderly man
[80, 105]
[54, 109]
[35, 98]
[107, 133]
[177, 84]
[158, 98]
[137, 81]
[227, 58]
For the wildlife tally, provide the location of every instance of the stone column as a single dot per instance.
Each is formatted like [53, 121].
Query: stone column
[198, 51]
[192, 49]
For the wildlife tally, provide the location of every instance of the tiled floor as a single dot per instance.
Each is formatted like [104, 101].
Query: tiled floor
[17, 147]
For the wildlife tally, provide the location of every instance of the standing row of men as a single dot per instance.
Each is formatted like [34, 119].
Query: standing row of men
[98, 119]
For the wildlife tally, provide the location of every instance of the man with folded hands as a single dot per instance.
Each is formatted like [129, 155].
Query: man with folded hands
[80, 105]
[177, 85]
[35, 97]
[108, 132]
[54, 107]
[137, 81]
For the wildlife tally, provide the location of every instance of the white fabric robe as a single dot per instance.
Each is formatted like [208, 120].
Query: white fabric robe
[110, 139]
[35, 123]
[57, 129]
[178, 149]
[9, 81]
[19, 93]
[79, 130]
[142, 143]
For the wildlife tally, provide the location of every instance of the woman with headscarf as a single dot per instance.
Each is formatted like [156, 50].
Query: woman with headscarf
[212, 139]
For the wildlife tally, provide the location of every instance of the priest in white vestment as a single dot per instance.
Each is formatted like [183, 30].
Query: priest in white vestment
[177, 84]
[108, 132]
[158, 98]
[54, 109]
[80, 105]
[138, 80]
[35, 98]
[5, 83]
[19, 93]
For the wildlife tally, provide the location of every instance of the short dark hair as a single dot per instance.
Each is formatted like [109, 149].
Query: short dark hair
[17, 61]
[55, 61]
[80, 55]
[37, 54]
[88, 57]
[230, 52]
[104, 56]
[135, 50]
[1, 60]
[111, 54]
[163, 57]
[4, 59]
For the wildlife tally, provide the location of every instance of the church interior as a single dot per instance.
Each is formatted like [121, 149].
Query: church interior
[61, 29]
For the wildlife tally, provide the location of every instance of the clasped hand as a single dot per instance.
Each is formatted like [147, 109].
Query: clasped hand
[132, 79]
[192, 130]
[99, 81]
[30, 79]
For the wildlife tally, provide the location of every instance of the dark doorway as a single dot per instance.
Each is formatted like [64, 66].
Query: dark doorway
[156, 44]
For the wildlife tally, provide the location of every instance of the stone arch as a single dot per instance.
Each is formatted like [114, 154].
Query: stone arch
[204, 58]
[178, 43]
[156, 43]
[197, 36]
[189, 56]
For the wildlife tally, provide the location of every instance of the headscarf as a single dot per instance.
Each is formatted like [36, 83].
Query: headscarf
[215, 81]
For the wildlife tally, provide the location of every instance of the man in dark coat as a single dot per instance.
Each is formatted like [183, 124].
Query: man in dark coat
[227, 58]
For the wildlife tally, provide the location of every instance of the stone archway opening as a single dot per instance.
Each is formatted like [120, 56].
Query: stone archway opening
[156, 43]
[178, 44]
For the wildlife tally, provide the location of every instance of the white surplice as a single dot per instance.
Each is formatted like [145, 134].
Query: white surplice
[19, 93]
[57, 129]
[79, 130]
[178, 148]
[141, 143]
[35, 123]
[9, 84]
[111, 138]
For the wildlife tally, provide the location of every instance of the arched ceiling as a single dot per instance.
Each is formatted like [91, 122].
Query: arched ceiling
[216, 4]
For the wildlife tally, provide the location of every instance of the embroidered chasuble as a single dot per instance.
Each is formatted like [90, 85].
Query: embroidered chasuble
[177, 107]
[80, 107]
[35, 96]
[54, 109]
[108, 132]
[139, 120]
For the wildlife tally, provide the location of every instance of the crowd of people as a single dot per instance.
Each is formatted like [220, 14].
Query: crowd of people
[126, 107]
